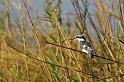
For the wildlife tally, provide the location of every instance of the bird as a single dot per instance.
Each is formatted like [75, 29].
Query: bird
[84, 45]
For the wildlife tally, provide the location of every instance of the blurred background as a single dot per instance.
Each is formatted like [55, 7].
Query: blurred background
[35, 43]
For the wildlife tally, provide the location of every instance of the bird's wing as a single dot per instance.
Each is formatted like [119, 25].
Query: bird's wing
[89, 46]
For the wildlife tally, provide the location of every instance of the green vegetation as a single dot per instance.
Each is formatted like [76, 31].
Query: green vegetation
[30, 52]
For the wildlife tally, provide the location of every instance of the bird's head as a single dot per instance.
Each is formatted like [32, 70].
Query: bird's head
[80, 37]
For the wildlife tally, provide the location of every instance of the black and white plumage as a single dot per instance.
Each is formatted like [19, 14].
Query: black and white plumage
[84, 45]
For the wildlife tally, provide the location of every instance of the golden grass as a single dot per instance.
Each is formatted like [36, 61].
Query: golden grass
[30, 55]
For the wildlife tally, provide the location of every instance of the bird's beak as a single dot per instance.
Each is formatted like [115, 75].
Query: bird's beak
[72, 39]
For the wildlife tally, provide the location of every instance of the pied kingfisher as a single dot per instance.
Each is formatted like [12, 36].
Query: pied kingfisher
[84, 45]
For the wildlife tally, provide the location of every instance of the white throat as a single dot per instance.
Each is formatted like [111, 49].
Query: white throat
[80, 39]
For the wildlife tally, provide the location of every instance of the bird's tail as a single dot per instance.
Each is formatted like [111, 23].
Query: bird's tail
[92, 54]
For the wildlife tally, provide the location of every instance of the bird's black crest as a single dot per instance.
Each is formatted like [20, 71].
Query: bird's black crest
[80, 36]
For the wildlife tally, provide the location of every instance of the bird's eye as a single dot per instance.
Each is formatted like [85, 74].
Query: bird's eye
[82, 36]
[78, 37]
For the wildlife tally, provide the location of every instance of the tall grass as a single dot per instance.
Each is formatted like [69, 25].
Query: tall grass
[30, 54]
